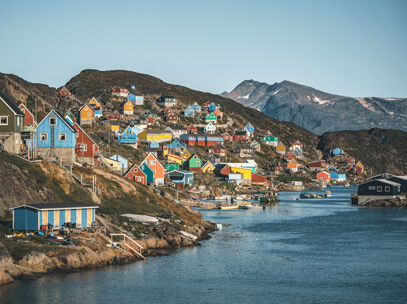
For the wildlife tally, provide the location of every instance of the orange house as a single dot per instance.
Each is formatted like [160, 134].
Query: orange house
[86, 115]
[158, 169]
[323, 176]
[292, 165]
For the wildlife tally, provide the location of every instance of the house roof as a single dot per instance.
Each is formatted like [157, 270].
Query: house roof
[11, 104]
[388, 182]
[238, 132]
[56, 112]
[51, 206]
[86, 134]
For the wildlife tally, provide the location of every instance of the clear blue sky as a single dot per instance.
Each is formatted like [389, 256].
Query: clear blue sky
[354, 48]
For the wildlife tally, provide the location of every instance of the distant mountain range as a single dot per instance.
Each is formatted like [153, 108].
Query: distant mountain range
[318, 111]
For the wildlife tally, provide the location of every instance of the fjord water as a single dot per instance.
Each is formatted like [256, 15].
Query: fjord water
[306, 251]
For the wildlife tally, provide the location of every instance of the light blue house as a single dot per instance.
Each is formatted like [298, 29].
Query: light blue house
[196, 107]
[212, 107]
[181, 177]
[154, 144]
[56, 138]
[128, 136]
[249, 128]
[123, 161]
[337, 152]
[338, 177]
[176, 144]
[189, 112]
[31, 217]
[136, 100]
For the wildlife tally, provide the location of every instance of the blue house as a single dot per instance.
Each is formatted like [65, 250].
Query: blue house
[123, 161]
[378, 189]
[56, 138]
[176, 144]
[212, 107]
[338, 177]
[337, 152]
[32, 216]
[128, 136]
[189, 112]
[249, 128]
[196, 107]
[131, 97]
[181, 177]
[154, 145]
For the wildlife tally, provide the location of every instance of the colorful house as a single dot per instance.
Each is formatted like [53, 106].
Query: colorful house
[201, 140]
[317, 165]
[290, 155]
[11, 124]
[350, 160]
[114, 116]
[122, 160]
[128, 136]
[166, 101]
[127, 107]
[148, 172]
[177, 131]
[181, 177]
[207, 167]
[155, 135]
[212, 107]
[70, 115]
[192, 130]
[210, 128]
[150, 120]
[137, 130]
[249, 129]
[111, 164]
[196, 107]
[270, 140]
[246, 174]
[323, 176]
[255, 145]
[258, 179]
[158, 169]
[154, 145]
[114, 126]
[194, 163]
[240, 136]
[64, 92]
[227, 137]
[32, 217]
[337, 152]
[378, 189]
[280, 148]
[86, 115]
[29, 119]
[335, 176]
[218, 149]
[218, 114]
[171, 167]
[211, 117]
[56, 138]
[292, 165]
[189, 112]
[297, 145]
[119, 92]
[97, 107]
[136, 100]
[185, 154]
[243, 150]
[87, 150]
[136, 174]
[176, 145]
[172, 118]
[174, 158]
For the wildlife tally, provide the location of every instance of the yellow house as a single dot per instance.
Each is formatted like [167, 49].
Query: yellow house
[86, 114]
[127, 107]
[155, 135]
[114, 127]
[114, 165]
[165, 150]
[94, 102]
[280, 149]
[246, 173]
[208, 167]
[174, 159]
[360, 165]
[185, 155]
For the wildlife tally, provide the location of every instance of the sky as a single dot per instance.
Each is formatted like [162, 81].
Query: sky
[353, 48]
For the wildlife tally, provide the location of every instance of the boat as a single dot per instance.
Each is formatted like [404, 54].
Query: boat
[232, 207]
[252, 207]
[311, 195]
[328, 194]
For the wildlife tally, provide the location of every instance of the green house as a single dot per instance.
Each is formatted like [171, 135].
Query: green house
[171, 167]
[11, 117]
[193, 163]
[211, 117]
[270, 140]
[148, 172]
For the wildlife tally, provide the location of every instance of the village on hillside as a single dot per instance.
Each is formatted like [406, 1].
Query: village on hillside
[196, 149]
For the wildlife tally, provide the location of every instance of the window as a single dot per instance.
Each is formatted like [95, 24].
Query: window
[52, 121]
[43, 136]
[84, 147]
[3, 120]
[387, 189]
[61, 136]
[77, 134]
[372, 188]
[139, 179]
[152, 162]
[379, 188]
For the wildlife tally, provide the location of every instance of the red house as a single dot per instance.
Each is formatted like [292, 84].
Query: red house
[114, 116]
[317, 165]
[87, 150]
[350, 160]
[120, 92]
[192, 130]
[172, 118]
[168, 111]
[218, 149]
[64, 92]
[323, 176]
[150, 120]
[290, 155]
[135, 173]
[29, 119]
[240, 136]
[259, 179]
[227, 137]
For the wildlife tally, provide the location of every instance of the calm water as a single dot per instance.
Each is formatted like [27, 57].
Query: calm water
[307, 251]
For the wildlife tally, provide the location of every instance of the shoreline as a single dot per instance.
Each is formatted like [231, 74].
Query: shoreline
[93, 255]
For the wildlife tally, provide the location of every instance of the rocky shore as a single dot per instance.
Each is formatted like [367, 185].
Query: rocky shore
[93, 251]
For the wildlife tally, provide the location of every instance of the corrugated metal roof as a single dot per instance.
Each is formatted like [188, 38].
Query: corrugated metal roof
[10, 103]
[50, 206]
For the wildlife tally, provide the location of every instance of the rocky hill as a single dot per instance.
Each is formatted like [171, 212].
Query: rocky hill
[318, 111]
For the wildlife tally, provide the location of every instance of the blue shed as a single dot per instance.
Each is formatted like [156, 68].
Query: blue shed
[337, 151]
[128, 136]
[212, 107]
[189, 111]
[123, 161]
[32, 216]
[176, 144]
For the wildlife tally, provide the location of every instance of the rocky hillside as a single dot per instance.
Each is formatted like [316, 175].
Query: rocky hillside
[381, 150]
[318, 111]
